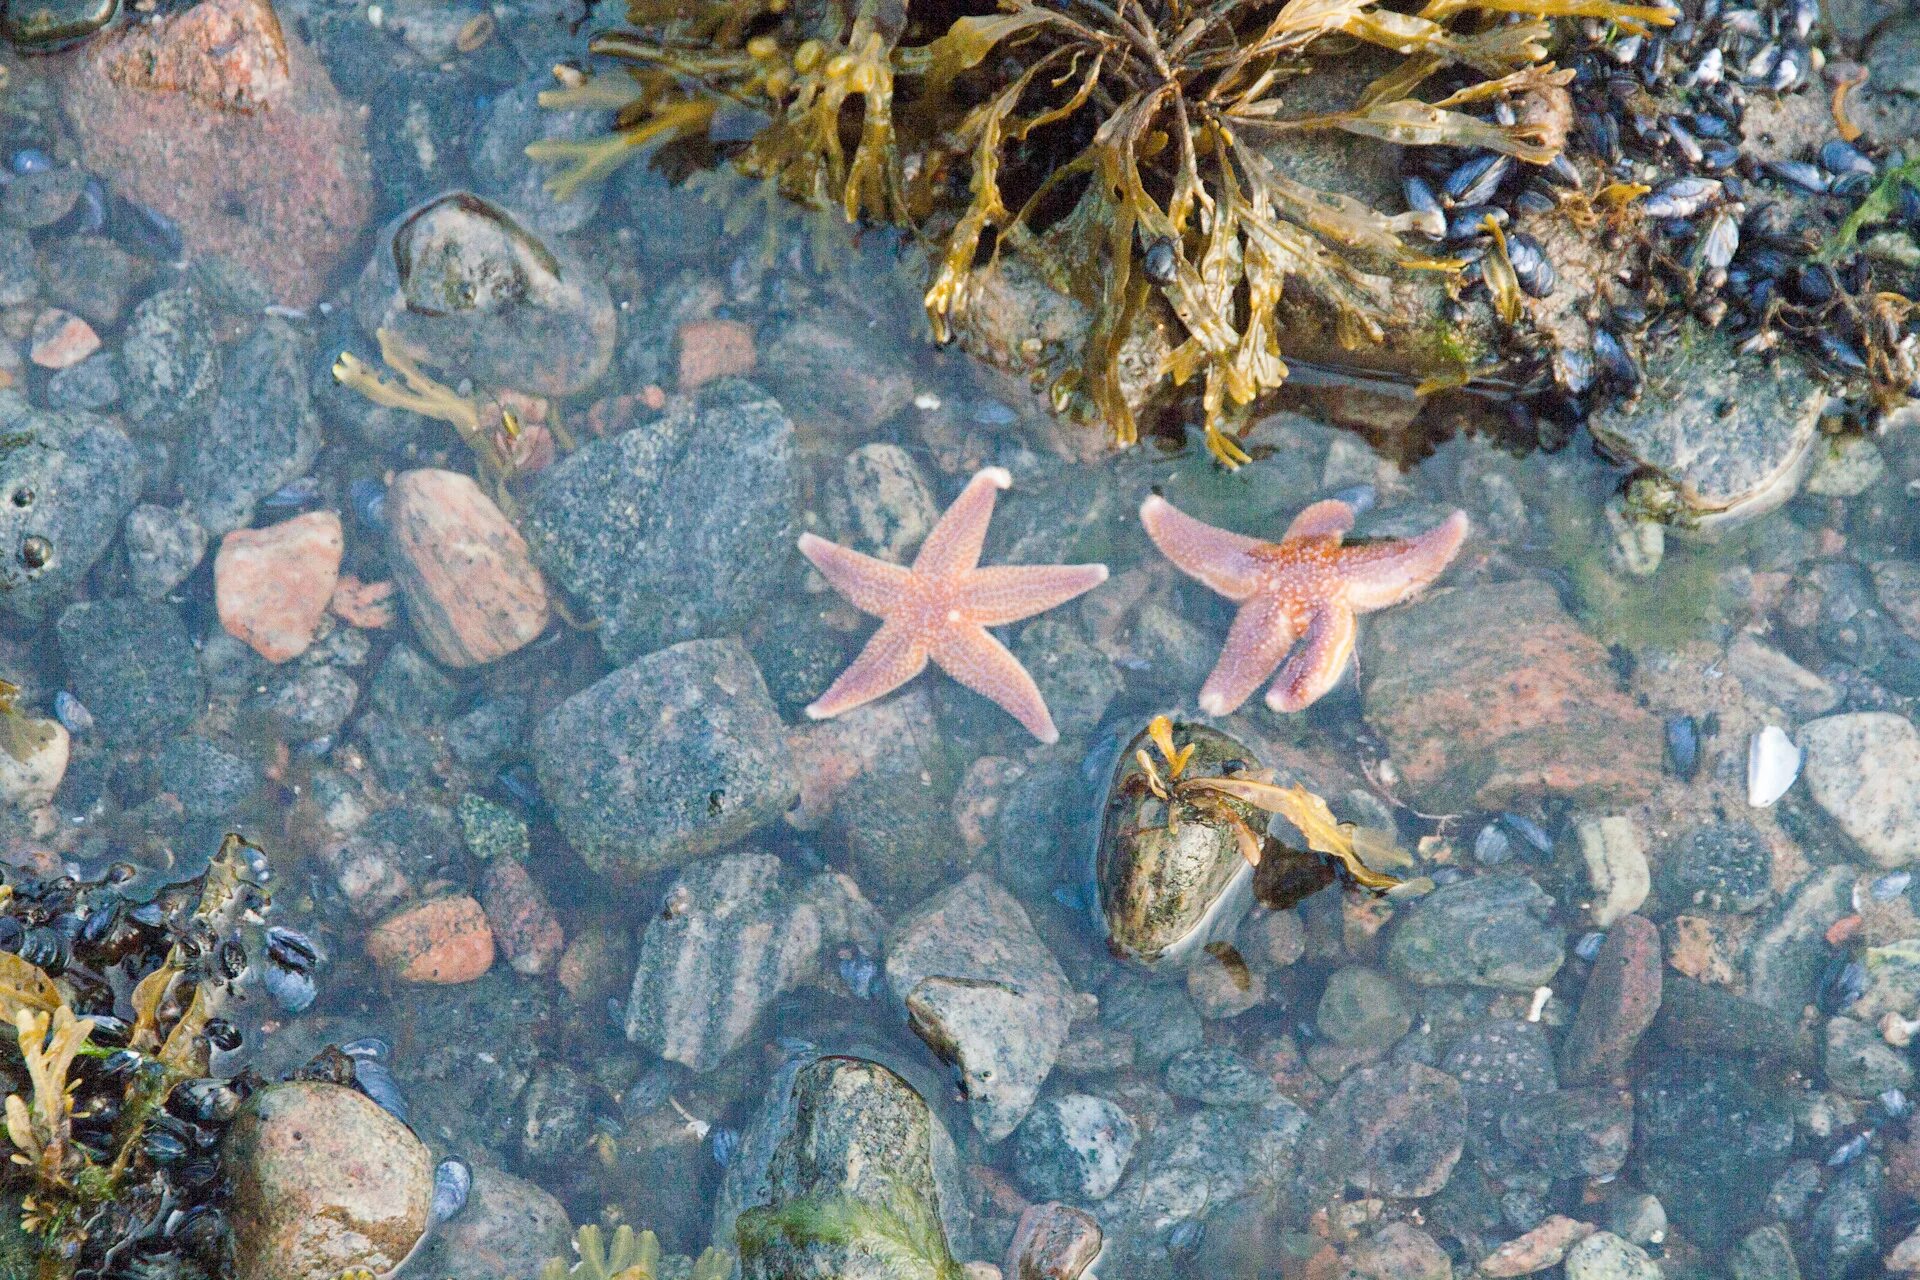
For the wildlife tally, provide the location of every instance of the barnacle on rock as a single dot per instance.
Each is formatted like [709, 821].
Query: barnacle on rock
[1124, 151]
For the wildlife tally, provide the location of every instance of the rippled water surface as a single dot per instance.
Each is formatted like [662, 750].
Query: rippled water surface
[565, 838]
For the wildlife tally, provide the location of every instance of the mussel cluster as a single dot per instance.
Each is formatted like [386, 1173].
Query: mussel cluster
[133, 1184]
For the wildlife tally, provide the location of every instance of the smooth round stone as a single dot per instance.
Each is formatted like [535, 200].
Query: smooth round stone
[325, 1181]
[48, 24]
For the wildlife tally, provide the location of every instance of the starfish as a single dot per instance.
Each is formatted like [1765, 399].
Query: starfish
[940, 609]
[1305, 587]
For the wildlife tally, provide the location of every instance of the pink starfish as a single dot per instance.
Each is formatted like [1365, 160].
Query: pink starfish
[941, 609]
[1305, 587]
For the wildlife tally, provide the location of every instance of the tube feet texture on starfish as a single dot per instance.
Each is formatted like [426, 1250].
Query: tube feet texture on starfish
[941, 607]
[1300, 594]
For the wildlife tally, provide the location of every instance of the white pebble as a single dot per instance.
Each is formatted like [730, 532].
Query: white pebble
[1773, 762]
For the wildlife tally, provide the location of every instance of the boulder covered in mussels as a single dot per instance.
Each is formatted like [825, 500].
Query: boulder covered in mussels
[1170, 877]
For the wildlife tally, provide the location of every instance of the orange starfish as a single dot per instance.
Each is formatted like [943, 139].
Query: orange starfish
[1305, 587]
[941, 609]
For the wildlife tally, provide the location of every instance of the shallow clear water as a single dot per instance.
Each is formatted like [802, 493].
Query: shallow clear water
[1565, 695]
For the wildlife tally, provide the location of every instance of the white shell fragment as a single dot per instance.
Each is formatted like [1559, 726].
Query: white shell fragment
[1773, 762]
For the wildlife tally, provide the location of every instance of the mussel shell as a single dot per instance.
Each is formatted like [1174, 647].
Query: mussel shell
[1164, 893]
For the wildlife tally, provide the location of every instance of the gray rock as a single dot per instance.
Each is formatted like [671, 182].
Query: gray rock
[883, 504]
[208, 779]
[94, 383]
[1893, 55]
[1860, 1064]
[35, 200]
[263, 431]
[1605, 1256]
[131, 663]
[678, 529]
[1499, 1065]
[508, 1230]
[1216, 1076]
[662, 761]
[1731, 434]
[1362, 1008]
[1709, 1139]
[841, 1127]
[1788, 952]
[1843, 1234]
[467, 282]
[1765, 1253]
[18, 281]
[985, 994]
[1187, 1167]
[1489, 931]
[1701, 1018]
[172, 362]
[92, 276]
[163, 547]
[1723, 866]
[66, 481]
[1073, 1147]
[848, 384]
[1396, 1129]
[1159, 1015]
[1572, 1133]
[1077, 680]
[727, 941]
[1637, 1217]
[502, 172]
[313, 703]
[899, 832]
[1864, 770]
[556, 1114]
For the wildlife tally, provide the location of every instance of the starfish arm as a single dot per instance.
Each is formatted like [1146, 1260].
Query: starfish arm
[870, 585]
[1261, 634]
[954, 545]
[1225, 561]
[1331, 517]
[982, 664]
[1009, 592]
[890, 659]
[1385, 573]
[1317, 665]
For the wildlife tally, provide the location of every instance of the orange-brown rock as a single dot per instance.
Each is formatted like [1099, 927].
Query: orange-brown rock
[272, 585]
[1491, 693]
[61, 339]
[524, 925]
[1540, 1248]
[220, 119]
[442, 940]
[470, 587]
[363, 604]
[712, 349]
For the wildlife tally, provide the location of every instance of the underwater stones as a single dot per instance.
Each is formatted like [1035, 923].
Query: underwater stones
[1490, 931]
[1864, 770]
[666, 759]
[1616, 867]
[1710, 1137]
[985, 993]
[66, 481]
[498, 159]
[133, 665]
[470, 587]
[1605, 1256]
[1362, 1008]
[1788, 952]
[883, 504]
[712, 349]
[226, 123]
[442, 941]
[678, 529]
[1859, 1064]
[324, 1181]
[30, 783]
[262, 433]
[1168, 887]
[1074, 1146]
[840, 1127]
[34, 26]
[1572, 1133]
[1052, 1242]
[508, 1230]
[272, 585]
[1619, 1004]
[60, 339]
[163, 547]
[524, 925]
[1732, 433]
[728, 941]
[468, 284]
[171, 360]
[1391, 1130]
[1488, 694]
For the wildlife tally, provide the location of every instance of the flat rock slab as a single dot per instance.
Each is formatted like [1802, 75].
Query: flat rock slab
[1864, 770]
[1731, 432]
[665, 760]
[1619, 1004]
[1490, 694]
[985, 993]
